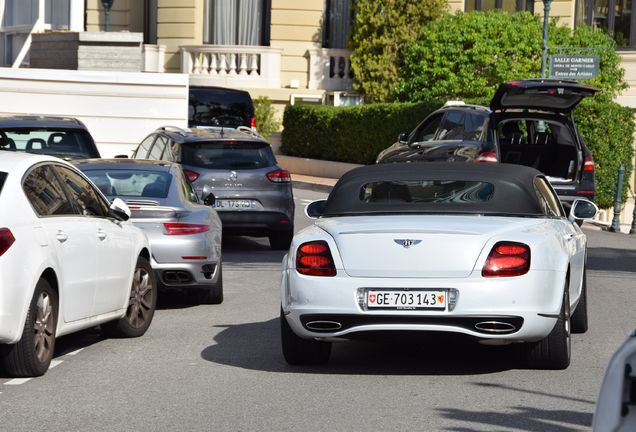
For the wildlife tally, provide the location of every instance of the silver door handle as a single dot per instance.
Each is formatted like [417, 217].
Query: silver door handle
[101, 234]
[61, 236]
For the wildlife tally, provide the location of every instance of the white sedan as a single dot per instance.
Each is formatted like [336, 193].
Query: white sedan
[68, 260]
[481, 250]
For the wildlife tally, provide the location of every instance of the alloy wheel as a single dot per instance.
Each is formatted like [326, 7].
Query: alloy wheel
[140, 302]
[43, 328]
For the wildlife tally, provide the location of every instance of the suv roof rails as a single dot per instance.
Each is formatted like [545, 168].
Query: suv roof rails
[176, 129]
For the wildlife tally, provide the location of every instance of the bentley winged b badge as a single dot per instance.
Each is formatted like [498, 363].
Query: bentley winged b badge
[407, 243]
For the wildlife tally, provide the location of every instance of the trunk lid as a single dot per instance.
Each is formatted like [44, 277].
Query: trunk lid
[427, 246]
[545, 95]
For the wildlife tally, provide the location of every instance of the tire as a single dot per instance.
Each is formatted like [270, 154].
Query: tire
[281, 240]
[554, 351]
[142, 303]
[579, 317]
[32, 355]
[213, 294]
[299, 351]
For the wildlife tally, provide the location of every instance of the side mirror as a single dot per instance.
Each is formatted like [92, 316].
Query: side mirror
[119, 210]
[209, 200]
[314, 210]
[403, 138]
[582, 210]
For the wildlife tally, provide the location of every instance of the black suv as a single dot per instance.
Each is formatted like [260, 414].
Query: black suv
[253, 195]
[219, 106]
[64, 137]
[529, 123]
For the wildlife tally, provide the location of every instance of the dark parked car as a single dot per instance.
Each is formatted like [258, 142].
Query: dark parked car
[253, 195]
[529, 123]
[218, 106]
[64, 137]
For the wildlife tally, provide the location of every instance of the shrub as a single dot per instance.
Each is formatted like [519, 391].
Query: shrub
[607, 129]
[382, 30]
[264, 112]
[470, 54]
[348, 134]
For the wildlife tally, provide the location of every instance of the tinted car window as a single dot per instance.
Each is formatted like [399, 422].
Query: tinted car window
[68, 143]
[227, 155]
[211, 106]
[133, 183]
[45, 192]
[452, 127]
[82, 193]
[475, 126]
[426, 131]
[432, 191]
[3, 176]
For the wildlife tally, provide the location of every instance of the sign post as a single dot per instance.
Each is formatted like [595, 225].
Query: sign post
[574, 67]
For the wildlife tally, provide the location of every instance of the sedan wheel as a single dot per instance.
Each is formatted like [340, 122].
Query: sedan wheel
[32, 355]
[141, 304]
[554, 351]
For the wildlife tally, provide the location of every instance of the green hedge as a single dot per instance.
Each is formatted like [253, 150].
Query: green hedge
[358, 134]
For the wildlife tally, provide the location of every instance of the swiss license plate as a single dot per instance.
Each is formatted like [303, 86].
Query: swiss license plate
[233, 204]
[406, 299]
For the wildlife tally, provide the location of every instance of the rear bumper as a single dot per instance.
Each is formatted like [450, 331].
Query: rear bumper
[193, 274]
[257, 223]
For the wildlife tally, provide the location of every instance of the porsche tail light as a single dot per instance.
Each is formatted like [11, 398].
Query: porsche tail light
[6, 240]
[507, 259]
[279, 176]
[487, 157]
[314, 259]
[588, 163]
[184, 228]
[191, 175]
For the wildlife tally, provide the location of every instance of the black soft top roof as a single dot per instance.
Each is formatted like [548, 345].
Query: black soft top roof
[514, 192]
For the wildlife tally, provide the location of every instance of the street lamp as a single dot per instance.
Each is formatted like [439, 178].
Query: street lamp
[544, 48]
[107, 5]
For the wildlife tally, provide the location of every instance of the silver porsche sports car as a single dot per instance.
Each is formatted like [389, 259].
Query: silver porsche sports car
[184, 234]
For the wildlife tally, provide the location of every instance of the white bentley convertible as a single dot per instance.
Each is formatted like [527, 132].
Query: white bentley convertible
[482, 250]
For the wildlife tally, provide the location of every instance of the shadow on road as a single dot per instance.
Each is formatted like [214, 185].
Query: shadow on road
[520, 418]
[257, 346]
[611, 259]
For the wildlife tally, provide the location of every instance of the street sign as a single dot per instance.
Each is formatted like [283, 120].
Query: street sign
[573, 66]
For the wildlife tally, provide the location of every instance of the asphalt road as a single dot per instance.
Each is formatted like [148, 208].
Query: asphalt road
[220, 367]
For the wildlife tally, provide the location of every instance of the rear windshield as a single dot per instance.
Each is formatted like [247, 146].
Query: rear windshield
[131, 183]
[64, 143]
[219, 107]
[3, 176]
[228, 155]
[427, 191]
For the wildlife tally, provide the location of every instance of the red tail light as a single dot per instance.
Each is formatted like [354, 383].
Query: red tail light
[487, 157]
[6, 240]
[314, 259]
[184, 228]
[507, 259]
[588, 163]
[279, 176]
[253, 122]
[191, 175]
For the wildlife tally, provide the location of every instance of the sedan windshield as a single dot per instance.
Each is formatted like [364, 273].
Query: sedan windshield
[131, 183]
[63, 143]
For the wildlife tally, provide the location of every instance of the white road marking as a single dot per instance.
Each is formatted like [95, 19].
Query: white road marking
[19, 381]
[77, 351]
[55, 363]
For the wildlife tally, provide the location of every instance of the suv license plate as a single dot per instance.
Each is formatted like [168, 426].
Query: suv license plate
[233, 204]
[406, 299]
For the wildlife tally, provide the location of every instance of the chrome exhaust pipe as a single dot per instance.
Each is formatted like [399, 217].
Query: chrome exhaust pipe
[323, 325]
[495, 327]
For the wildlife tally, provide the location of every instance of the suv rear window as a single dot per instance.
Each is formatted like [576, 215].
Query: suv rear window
[64, 143]
[210, 106]
[228, 155]
[3, 176]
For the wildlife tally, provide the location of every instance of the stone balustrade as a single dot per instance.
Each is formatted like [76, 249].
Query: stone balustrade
[330, 69]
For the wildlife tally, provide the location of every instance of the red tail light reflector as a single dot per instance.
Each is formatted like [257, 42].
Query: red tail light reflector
[507, 259]
[279, 176]
[487, 157]
[588, 163]
[184, 228]
[253, 122]
[197, 257]
[314, 259]
[191, 175]
[6, 240]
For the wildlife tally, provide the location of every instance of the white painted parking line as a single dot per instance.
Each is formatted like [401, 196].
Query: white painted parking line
[77, 351]
[17, 381]
[55, 363]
